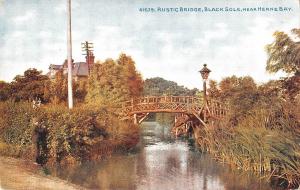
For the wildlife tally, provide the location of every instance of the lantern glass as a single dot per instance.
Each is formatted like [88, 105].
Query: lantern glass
[204, 75]
[205, 72]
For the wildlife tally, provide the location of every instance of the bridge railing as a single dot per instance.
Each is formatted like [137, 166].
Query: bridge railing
[164, 99]
[173, 104]
[217, 107]
[172, 99]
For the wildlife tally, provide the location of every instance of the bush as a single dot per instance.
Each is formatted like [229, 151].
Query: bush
[16, 123]
[59, 135]
[9, 150]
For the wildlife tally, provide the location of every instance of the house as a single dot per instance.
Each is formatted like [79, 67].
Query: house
[80, 70]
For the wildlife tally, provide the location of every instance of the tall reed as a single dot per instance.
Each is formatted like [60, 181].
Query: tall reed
[266, 141]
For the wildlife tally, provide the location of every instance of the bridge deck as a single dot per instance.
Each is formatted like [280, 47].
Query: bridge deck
[175, 104]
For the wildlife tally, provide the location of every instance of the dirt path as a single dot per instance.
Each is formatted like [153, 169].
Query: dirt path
[18, 174]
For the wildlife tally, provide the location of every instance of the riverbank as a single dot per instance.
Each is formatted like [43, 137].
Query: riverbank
[23, 174]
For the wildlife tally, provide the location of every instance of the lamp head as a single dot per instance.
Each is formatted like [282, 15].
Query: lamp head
[205, 72]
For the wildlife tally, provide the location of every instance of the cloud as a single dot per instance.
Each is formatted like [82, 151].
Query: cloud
[62, 6]
[110, 41]
[246, 55]
[23, 19]
[218, 31]
[17, 34]
[173, 46]
[2, 9]
[43, 34]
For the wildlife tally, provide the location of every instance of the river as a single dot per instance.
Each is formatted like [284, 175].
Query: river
[160, 162]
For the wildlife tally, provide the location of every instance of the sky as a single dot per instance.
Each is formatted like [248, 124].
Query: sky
[172, 45]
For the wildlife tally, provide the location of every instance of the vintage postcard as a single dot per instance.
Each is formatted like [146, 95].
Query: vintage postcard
[150, 94]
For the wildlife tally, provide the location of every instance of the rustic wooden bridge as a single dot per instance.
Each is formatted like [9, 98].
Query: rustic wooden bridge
[139, 108]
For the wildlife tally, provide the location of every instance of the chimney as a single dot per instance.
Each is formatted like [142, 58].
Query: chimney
[90, 59]
[87, 49]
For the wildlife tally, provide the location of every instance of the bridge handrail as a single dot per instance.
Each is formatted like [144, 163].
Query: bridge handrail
[172, 99]
[163, 99]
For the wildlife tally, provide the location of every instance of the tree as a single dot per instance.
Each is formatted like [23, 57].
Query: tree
[132, 77]
[213, 91]
[80, 90]
[113, 82]
[271, 89]
[29, 86]
[284, 55]
[105, 84]
[4, 91]
[230, 86]
[159, 86]
[241, 94]
[58, 88]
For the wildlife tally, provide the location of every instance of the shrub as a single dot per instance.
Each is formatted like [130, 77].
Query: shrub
[15, 124]
[58, 135]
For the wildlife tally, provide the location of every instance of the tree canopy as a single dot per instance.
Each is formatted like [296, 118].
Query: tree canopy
[29, 86]
[159, 86]
[4, 91]
[112, 82]
[284, 53]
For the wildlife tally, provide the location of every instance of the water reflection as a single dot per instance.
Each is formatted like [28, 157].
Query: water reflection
[161, 163]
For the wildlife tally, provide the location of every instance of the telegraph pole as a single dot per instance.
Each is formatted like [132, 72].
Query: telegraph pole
[87, 47]
[69, 53]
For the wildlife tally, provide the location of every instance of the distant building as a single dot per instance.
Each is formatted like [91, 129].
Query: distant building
[80, 70]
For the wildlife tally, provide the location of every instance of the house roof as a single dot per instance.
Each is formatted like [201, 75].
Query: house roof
[55, 67]
[80, 69]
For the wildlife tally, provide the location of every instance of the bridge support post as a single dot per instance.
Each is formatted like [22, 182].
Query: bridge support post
[135, 119]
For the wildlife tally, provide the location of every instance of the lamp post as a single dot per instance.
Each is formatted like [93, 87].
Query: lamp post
[204, 73]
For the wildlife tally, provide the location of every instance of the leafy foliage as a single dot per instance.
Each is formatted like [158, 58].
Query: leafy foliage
[15, 123]
[5, 91]
[213, 91]
[284, 53]
[59, 134]
[159, 86]
[132, 78]
[261, 131]
[83, 133]
[240, 93]
[29, 86]
[57, 91]
[113, 82]
[58, 88]
[16, 129]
